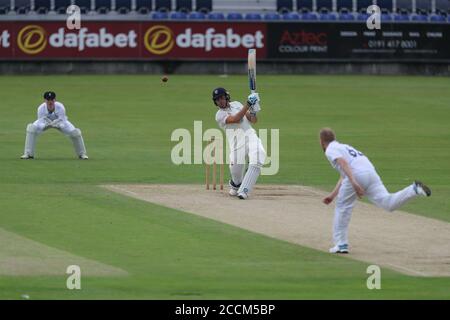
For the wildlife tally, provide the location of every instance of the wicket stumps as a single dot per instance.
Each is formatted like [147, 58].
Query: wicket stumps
[213, 176]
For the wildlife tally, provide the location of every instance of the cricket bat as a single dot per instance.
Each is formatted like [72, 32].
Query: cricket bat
[251, 64]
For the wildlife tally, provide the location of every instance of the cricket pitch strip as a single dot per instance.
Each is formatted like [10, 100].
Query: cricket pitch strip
[408, 243]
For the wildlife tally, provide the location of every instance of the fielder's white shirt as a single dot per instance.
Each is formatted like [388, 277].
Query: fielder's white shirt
[232, 129]
[58, 113]
[356, 160]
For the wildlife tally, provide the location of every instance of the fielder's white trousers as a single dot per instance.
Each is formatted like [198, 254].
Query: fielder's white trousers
[375, 191]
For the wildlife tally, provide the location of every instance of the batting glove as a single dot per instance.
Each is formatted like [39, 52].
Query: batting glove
[255, 108]
[253, 99]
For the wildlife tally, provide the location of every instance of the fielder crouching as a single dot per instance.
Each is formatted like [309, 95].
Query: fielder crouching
[52, 114]
[236, 120]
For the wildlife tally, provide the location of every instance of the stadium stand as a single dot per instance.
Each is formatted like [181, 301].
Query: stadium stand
[85, 5]
[253, 17]
[42, 6]
[234, 16]
[102, 6]
[5, 6]
[443, 7]
[216, 16]
[163, 5]
[404, 6]
[194, 15]
[386, 5]
[178, 15]
[436, 11]
[362, 5]
[61, 6]
[144, 6]
[22, 6]
[123, 6]
[324, 5]
[344, 5]
[183, 6]
[204, 6]
[305, 5]
[285, 6]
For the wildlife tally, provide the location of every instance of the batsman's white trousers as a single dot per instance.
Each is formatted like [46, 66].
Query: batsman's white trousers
[253, 150]
[375, 191]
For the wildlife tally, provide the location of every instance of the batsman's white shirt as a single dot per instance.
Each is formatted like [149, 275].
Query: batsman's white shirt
[241, 137]
[357, 161]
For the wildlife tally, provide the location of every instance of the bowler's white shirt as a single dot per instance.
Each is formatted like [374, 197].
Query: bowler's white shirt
[58, 113]
[357, 161]
[232, 129]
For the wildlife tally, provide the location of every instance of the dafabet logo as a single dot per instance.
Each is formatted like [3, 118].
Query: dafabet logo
[159, 39]
[32, 39]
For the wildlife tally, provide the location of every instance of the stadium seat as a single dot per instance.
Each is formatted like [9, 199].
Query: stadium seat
[194, 15]
[437, 18]
[272, 16]
[327, 16]
[143, 6]
[159, 15]
[346, 16]
[204, 6]
[178, 15]
[385, 5]
[404, 5]
[284, 6]
[386, 17]
[419, 17]
[423, 6]
[123, 6]
[163, 5]
[216, 16]
[84, 5]
[309, 16]
[362, 16]
[253, 16]
[42, 6]
[5, 6]
[346, 5]
[184, 6]
[324, 5]
[102, 6]
[22, 6]
[291, 16]
[443, 6]
[305, 5]
[61, 6]
[234, 16]
[401, 17]
[362, 5]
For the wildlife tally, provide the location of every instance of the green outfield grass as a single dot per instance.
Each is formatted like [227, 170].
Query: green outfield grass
[401, 123]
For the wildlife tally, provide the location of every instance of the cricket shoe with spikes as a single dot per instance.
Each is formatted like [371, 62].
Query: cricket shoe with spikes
[26, 156]
[343, 248]
[421, 189]
[243, 195]
[83, 157]
[233, 188]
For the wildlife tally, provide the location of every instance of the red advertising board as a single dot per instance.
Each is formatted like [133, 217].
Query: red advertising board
[131, 40]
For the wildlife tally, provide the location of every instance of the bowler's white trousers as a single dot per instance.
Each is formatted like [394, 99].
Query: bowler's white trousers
[375, 191]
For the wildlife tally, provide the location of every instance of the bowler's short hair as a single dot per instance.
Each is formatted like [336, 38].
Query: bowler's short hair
[327, 135]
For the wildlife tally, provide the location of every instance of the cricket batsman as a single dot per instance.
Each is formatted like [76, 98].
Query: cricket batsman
[236, 119]
[52, 114]
[358, 178]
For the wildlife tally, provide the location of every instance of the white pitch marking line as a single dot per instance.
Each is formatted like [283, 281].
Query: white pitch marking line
[409, 270]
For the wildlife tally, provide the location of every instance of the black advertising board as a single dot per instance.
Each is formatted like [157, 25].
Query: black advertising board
[355, 42]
